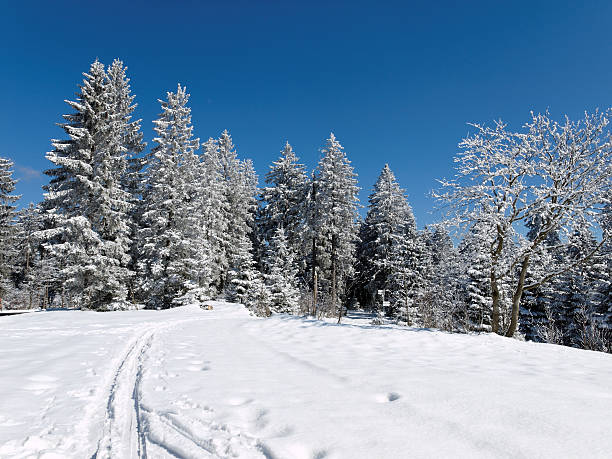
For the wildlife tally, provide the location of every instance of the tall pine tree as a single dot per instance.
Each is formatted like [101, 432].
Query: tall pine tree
[169, 265]
[86, 207]
[336, 204]
[8, 240]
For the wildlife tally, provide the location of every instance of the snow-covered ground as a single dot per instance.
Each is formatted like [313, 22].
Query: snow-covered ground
[194, 383]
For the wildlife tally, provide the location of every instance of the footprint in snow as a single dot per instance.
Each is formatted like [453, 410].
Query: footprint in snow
[385, 398]
[261, 420]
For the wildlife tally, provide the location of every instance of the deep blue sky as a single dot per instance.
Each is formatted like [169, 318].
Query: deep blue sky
[396, 82]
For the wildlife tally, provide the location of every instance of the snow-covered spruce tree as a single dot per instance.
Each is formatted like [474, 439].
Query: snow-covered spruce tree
[85, 205]
[171, 251]
[407, 280]
[336, 202]
[247, 284]
[556, 170]
[606, 287]
[282, 274]
[131, 142]
[8, 241]
[29, 275]
[192, 212]
[577, 309]
[250, 185]
[474, 254]
[386, 241]
[215, 215]
[314, 244]
[283, 202]
[239, 186]
[438, 302]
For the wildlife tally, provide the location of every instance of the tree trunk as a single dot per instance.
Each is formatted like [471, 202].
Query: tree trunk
[495, 294]
[516, 298]
[315, 289]
[496, 297]
[315, 280]
[334, 286]
[407, 313]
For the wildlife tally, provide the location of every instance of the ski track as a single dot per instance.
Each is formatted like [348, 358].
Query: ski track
[122, 417]
[125, 428]
[131, 429]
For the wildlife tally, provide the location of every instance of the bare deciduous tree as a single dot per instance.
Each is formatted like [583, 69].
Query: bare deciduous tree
[558, 171]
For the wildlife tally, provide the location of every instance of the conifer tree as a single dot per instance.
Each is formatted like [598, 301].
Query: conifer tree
[171, 254]
[438, 299]
[284, 201]
[606, 286]
[473, 250]
[29, 224]
[336, 203]
[239, 188]
[282, 275]
[7, 227]
[130, 140]
[215, 215]
[386, 241]
[577, 308]
[246, 284]
[85, 205]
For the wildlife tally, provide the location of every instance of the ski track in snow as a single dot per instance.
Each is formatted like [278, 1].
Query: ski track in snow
[131, 428]
[123, 435]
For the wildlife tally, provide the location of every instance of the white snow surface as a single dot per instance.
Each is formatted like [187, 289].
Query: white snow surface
[192, 383]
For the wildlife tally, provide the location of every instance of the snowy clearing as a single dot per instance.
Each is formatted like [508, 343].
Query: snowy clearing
[192, 383]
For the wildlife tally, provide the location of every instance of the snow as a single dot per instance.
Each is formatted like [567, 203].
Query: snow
[193, 383]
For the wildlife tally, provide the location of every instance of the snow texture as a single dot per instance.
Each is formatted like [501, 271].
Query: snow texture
[193, 383]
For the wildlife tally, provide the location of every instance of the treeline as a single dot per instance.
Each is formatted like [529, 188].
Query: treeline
[121, 227]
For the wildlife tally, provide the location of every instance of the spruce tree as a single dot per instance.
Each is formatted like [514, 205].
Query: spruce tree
[282, 274]
[386, 238]
[8, 241]
[473, 250]
[239, 188]
[85, 205]
[336, 203]
[577, 308]
[171, 255]
[284, 201]
[29, 224]
[246, 284]
[606, 286]
[215, 215]
[130, 136]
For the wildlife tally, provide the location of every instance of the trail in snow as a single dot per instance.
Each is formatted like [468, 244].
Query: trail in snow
[189, 383]
[123, 435]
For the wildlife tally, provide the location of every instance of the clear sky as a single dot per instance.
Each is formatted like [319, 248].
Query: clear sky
[395, 81]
